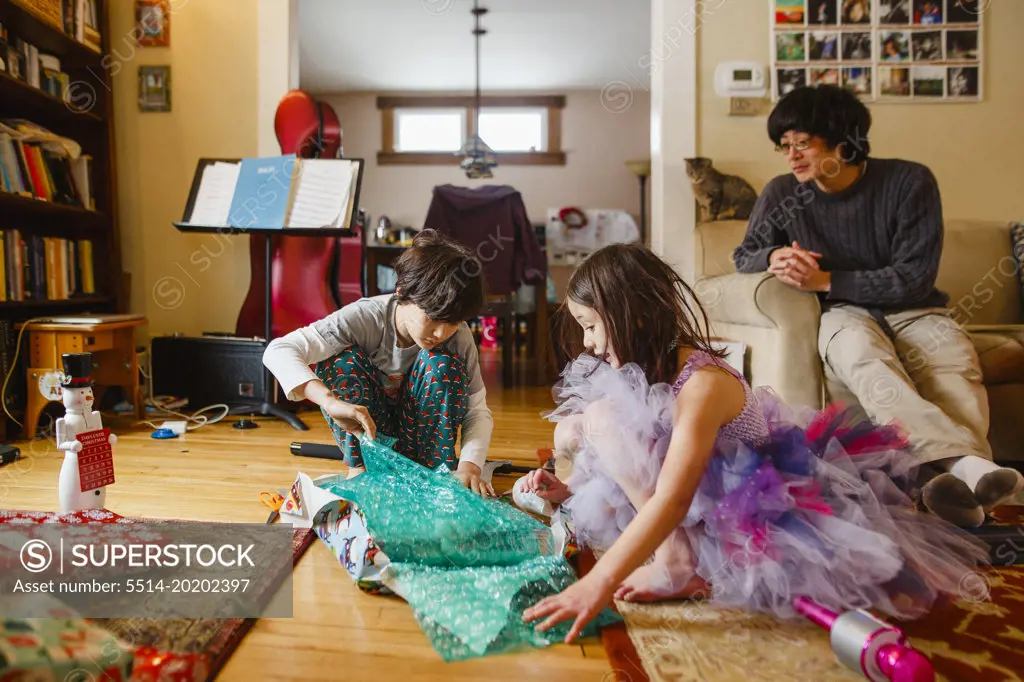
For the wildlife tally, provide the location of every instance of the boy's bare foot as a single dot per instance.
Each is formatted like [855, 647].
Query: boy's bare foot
[653, 582]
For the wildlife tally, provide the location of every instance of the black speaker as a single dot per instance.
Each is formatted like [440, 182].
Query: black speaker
[208, 369]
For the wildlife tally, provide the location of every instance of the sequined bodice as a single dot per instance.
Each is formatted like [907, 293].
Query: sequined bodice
[750, 426]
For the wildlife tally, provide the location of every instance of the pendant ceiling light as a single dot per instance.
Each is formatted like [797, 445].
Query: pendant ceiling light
[478, 158]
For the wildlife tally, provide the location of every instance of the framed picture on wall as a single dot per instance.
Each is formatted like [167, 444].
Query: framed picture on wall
[920, 51]
[154, 88]
[153, 23]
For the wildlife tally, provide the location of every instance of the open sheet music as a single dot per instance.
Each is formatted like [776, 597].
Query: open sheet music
[277, 192]
[213, 201]
[322, 193]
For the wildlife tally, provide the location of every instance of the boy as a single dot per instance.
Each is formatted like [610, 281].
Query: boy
[404, 364]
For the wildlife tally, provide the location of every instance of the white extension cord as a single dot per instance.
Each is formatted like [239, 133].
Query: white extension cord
[14, 363]
[166, 404]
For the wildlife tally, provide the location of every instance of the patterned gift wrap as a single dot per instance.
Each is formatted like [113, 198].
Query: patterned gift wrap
[342, 527]
[58, 649]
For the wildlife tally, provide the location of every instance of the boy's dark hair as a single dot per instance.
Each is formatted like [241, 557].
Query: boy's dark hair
[826, 111]
[441, 277]
[648, 311]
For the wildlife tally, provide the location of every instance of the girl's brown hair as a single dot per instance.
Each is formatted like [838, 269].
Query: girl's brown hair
[648, 311]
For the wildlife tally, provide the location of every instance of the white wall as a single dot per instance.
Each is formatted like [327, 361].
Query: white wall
[186, 283]
[597, 143]
[278, 65]
[974, 149]
[671, 64]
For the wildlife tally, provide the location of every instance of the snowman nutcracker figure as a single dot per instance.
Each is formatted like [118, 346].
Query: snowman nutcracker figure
[80, 429]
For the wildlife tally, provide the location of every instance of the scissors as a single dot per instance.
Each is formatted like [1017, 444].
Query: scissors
[274, 502]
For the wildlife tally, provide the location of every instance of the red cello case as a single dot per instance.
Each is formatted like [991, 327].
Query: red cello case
[311, 276]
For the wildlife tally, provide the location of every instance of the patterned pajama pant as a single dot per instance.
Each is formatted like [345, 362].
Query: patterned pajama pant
[430, 408]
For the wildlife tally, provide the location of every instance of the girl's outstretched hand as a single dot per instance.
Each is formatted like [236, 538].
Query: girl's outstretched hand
[546, 486]
[582, 601]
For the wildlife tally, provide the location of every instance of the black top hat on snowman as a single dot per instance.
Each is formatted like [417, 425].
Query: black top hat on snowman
[77, 370]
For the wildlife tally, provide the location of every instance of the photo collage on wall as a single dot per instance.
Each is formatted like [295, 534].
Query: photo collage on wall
[883, 50]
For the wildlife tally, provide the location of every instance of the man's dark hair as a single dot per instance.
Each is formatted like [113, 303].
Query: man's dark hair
[441, 277]
[826, 111]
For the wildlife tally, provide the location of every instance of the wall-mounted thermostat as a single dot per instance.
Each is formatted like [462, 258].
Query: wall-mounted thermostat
[740, 79]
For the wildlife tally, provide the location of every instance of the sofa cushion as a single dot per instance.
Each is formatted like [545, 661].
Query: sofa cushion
[1002, 358]
[715, 242]
[979, 272]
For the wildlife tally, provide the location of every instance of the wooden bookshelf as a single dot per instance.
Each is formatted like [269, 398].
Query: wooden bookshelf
[41, 103]
[78, 304]
[17, 207]
[85, 115]
[22, 21]
[86, 118]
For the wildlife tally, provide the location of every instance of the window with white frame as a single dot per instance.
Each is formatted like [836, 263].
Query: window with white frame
[514, 130]
[431, 129]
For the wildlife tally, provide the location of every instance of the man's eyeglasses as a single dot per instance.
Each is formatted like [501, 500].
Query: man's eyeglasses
[800, 146]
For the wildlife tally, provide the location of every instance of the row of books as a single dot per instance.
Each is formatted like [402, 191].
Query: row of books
[82, 21]
[79, 19]
[44, 268]
[23, 61]
[32, 170]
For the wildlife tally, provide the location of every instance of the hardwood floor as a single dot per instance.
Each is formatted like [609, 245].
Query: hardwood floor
[336, 632]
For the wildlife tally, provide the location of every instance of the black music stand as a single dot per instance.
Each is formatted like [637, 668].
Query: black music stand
[267, 407]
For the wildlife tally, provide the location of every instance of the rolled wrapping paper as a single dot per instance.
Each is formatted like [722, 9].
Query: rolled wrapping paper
[868, 645]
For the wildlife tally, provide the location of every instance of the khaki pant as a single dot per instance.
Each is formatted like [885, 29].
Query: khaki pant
[929, 380]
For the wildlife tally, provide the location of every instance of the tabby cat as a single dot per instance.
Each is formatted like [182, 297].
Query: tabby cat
[719, 196]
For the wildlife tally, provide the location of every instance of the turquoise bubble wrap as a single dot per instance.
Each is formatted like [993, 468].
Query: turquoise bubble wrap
[467, 565]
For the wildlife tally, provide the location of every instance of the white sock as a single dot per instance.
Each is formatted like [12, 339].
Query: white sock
[970, 469]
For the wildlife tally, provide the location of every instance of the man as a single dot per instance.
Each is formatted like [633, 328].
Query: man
[865, 234]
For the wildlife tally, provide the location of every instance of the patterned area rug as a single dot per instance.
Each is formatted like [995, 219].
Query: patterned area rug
[972, 638]
[977, 637]
[186, 649]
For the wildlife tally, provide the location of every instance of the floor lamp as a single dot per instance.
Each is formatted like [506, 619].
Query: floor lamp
[642, 169]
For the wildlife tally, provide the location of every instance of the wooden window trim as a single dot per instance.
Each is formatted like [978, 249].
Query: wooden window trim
[445, 101]
[445, 159]
[553, 156]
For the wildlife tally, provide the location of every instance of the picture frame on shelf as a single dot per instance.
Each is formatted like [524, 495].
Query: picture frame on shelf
[154, 88]
[153, 21]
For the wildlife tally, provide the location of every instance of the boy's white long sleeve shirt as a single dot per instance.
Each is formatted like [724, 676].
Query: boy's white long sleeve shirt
[369, 324]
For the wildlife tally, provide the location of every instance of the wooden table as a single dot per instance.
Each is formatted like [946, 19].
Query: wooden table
[114, 362]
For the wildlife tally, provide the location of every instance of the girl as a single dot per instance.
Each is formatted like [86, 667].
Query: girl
[723, 488]
[405, 364]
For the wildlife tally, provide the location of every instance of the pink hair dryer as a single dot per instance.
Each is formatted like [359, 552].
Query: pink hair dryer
[872, 646]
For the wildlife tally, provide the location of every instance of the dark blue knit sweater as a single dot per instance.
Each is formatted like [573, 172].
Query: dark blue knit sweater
[880, 239]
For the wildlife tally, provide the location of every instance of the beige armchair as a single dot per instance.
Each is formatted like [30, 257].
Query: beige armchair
[779, 324]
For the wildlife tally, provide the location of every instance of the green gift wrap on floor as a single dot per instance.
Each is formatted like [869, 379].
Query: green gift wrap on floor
[60, 649]
[467, 565]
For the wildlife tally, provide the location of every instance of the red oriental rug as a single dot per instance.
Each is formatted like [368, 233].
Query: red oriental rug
[180, 649]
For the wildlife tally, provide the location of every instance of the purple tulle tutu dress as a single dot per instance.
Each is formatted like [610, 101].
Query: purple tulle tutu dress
[794, 501]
